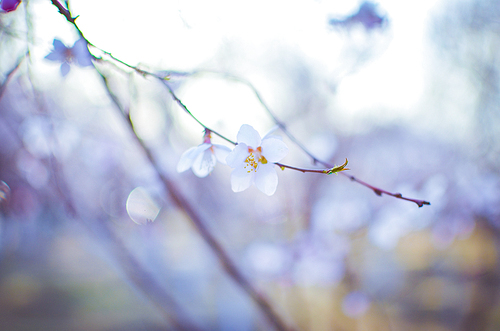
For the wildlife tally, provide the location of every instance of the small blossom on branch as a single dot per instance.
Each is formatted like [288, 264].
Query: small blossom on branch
[78, 54]
[254, 159]
[202, 159]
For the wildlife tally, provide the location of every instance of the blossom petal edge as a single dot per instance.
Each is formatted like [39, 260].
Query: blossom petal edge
[266, 179]
[249, 136]
[274, 149]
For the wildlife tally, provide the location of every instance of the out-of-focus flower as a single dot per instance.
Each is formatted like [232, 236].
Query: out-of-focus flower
[268, 259]
[355, 304]
[78, 54]
[253, 159]
[367, 16]
[202, 159]
[9, 5]
[141, 207]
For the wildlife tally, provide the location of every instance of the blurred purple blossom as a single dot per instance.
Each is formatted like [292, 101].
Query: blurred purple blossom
[367, 15]
[268, 259]
[9, 5]
[78, 53]
[319, 259]
[355, 304]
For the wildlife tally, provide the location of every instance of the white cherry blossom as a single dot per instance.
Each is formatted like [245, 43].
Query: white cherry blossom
[253, 159]
[202, 159]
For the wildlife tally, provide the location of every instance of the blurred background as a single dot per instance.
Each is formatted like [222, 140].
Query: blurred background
[91, 239]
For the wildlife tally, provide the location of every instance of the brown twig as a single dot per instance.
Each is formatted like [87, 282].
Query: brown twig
[329, 171]
[315, 160]
[281, 125]
[183, 106]
[379, 191]
[65, 11]
[9, 75]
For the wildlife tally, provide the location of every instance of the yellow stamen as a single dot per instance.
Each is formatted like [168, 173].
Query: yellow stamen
[254, 158]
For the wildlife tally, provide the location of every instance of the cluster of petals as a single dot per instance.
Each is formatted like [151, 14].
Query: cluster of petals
[203, 158]
[78, 54]
[9, 5]
[253, 160]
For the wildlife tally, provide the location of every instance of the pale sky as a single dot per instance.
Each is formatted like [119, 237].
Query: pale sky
[188, 35]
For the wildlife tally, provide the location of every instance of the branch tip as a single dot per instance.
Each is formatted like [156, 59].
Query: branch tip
[422, 203]
[337, 169]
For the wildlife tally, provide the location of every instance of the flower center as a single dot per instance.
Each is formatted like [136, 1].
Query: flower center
[68, 55]
[254, 158]
[207, 136]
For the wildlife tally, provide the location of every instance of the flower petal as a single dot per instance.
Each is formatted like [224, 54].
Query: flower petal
[274, 149]
[241, 179]
[249, 136]
[188, 157]
[59, 46]
[56, 56]
[221, 152]
[65, 68]
[204, 163]
[273, 136]
[266, 179]
[271, 131]
[238, 155]
[81, 53]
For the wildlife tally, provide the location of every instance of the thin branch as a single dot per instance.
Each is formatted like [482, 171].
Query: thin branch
[66, 13]
[303, 170]
[281, 124]
[379, 191]
[332, 170]
[186, 109]
[9, 75]
[315, 160]
[183, 106]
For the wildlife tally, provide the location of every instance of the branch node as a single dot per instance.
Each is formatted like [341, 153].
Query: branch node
[422, 203]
